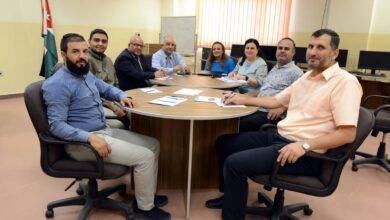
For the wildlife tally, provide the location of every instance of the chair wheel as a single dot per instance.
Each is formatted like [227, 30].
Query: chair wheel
[49, 214]
[354, 168]
[79, 191]
[307, 211]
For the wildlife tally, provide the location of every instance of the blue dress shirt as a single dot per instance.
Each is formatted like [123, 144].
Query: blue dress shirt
[74, 106]
[162, 61]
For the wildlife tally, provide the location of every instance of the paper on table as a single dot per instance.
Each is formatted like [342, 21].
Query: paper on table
[220, 104]
[168, 100]
[229, 80]
[150, 90]
[199, 98]
[188, 92]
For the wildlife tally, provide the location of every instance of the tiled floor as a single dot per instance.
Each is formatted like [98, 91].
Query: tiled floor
[25, 189]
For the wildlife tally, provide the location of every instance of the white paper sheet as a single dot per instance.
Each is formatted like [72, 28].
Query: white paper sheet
[150, 90]
[168, 100]
[185, 91]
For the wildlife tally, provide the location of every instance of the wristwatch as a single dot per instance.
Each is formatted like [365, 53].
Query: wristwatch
[306, 146]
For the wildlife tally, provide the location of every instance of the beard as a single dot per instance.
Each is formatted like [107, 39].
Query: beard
[79, 71]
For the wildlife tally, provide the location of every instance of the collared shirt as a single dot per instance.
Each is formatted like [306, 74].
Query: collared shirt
[279, 78]
[160, 60]
[102, 67]
[257, 70]
[318, 107]
[74, 106]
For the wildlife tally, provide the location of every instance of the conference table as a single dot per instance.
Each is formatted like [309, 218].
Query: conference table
[186, 133]
[197, 81]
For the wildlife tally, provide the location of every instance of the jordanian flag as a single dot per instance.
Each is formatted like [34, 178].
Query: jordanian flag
[50, 52]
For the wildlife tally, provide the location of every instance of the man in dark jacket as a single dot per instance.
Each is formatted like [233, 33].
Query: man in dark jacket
[131, 67]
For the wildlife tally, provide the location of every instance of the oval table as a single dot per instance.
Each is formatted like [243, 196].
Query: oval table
[196, 81]
[187, 133]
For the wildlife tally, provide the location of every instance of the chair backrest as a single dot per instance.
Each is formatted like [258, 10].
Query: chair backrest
[36, 107]
[331, 171]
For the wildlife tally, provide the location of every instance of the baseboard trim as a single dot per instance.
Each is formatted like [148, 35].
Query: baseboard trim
[10, 96]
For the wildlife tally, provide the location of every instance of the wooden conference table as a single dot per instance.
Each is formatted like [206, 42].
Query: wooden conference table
[186, 133]
[196, 81]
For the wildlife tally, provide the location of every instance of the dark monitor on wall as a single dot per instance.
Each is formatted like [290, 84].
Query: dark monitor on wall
[374, 60]
[342, 58]
[268, 52]
[237, 50]
[300, 55]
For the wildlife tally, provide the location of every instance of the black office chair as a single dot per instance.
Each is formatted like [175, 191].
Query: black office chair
[56, 163]
[270, 64]
[382, 124]
[322, 185]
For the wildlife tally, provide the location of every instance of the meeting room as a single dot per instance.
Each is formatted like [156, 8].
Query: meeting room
[195, 109]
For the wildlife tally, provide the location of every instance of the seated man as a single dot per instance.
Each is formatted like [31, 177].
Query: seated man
[282, 75]
[102, 67]
[75, 113]
[167, 59]
[323, 110]
[131, 67]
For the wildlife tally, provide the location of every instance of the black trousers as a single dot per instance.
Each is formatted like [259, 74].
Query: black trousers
[253, 122]
[249, 154]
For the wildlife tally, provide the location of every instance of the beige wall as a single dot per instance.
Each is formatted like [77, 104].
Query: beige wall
[22, 47]
[362, 24]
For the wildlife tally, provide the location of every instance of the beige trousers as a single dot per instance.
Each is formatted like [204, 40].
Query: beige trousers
[129, 149]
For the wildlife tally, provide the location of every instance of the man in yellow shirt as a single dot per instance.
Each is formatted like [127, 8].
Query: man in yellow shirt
[323, 110]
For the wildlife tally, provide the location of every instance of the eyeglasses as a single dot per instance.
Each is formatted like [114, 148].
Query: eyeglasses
[138, 45]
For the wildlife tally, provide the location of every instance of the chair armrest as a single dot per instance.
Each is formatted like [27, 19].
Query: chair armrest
[53, 140]
[374, 96]
[112, 117]
[380, 108]
[265, 127]
[311, 154]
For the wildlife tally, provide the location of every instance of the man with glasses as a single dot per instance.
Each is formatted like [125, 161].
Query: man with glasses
[131, 67]
[167, 59]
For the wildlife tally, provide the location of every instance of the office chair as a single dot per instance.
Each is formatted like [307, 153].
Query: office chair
[322, 185]
[56, 163]
[382, 124]
[270, 64]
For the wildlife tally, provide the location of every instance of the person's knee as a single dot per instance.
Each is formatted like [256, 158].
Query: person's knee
[154, 146]
[232, 164]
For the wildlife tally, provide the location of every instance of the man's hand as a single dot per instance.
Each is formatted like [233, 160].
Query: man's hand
[159, 74]
[252, 82]
[129, 102]
[118, 111]
[178, 69]
[233, 75]
[233, 99]
[290, 153]
[187, 70]
[100, 145]
[275, 113]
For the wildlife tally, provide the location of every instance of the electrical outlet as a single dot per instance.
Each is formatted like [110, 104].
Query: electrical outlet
[137, 33]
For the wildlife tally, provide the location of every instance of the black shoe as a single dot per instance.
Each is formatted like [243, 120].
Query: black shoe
[159, 201]
[153, 214]
[216, 203]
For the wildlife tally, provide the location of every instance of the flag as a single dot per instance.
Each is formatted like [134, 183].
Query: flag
[50, 52]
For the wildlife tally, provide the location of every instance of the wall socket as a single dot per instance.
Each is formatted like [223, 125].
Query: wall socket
[138, 34]
[1, 73]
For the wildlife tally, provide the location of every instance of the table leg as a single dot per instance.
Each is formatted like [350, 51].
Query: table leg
[189, 170]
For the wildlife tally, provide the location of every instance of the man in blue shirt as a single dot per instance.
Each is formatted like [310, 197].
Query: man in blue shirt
[75, 113]
[167, 59]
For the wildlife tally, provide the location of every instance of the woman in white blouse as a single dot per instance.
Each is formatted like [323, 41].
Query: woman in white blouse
[251, 68]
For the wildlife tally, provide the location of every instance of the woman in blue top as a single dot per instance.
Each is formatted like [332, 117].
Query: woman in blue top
[218, 62]
[251, 68]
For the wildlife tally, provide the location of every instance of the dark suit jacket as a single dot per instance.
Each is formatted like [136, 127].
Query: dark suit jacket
[129, 73]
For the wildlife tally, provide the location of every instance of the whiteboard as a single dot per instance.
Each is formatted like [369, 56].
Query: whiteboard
[182, 28]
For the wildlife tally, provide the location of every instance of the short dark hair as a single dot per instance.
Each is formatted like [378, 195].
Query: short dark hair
[70, 37]
[334, 37]
[259, 52]
[287, 38]
[97, 31]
